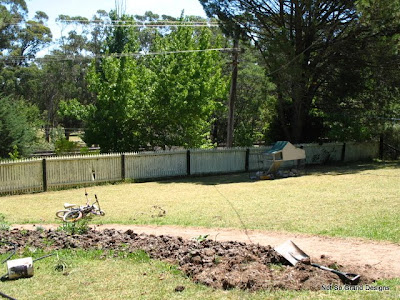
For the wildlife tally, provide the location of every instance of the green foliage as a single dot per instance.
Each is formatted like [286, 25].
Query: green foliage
[14, 155]
[63, 146]
[79, 227]
[337, 61]
[254, 108]
[159, 101]
[73, 113]
[201, 238]
[4, 225]
[18, 127]
[11, 12]
[189, 88]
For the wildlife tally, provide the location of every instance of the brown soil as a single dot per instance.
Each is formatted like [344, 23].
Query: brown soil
[231, 258]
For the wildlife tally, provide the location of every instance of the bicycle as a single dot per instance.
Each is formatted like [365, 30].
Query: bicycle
[73, 212]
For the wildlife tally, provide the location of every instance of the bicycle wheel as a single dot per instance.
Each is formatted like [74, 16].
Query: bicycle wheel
[72, 216]
[61, 213]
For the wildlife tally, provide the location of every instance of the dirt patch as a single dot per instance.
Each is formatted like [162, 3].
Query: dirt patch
[219, 264]
[372, 258]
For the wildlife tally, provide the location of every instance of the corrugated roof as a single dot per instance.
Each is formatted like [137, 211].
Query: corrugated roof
[277, 147]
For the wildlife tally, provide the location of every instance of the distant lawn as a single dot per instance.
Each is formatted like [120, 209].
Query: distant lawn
[358, 200]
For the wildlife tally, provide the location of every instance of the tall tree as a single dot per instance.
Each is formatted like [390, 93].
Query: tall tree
[160, 100]
[304, 44]
[12, 14]
[189, 87]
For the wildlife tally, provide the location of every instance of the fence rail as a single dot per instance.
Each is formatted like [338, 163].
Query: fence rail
[36, 174]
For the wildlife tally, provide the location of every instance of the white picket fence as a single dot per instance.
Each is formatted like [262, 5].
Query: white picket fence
[21, 176]
[37, 174]
[75, 170]
[217, 161]
[155, 164]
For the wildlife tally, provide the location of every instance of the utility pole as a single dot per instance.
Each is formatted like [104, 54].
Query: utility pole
[232, 95]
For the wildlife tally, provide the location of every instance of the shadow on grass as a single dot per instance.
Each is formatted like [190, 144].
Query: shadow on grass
[212, 179]
[352, 168]
[317, 170]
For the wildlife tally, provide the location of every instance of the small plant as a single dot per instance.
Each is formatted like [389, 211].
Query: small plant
[276, 267]
[14, 155]
[60, 266]
[158, 212]
[79, 227]
[201, 238]
[217, 259]
[40, 228]
[4, 225]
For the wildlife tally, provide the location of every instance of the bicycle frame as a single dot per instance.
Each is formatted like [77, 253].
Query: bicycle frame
[75, 213]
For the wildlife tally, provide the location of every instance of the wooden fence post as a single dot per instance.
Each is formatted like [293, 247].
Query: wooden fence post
[381, 146]
[188, 162]
[343, 152]
[246, 163]
[44, 174]
[123, 166]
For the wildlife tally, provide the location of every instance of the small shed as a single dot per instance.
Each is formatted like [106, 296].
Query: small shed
[283, 151]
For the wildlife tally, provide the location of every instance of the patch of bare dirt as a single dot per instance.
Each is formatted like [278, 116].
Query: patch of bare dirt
[373, 258]
[213, 262]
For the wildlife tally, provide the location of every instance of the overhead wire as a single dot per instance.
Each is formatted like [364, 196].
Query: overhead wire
[237, 214]
[152, 24]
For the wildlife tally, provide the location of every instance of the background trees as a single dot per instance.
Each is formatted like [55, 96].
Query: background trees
[314, 51]
[19, 122]
[310, 70]
[160, 100]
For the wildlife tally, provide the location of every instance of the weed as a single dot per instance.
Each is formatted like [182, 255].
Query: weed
[79, 227]
[4, 225]
[47, 242]
[277, 267]
[40, 228]
[158, 212]
[217, 259]
[201, 238]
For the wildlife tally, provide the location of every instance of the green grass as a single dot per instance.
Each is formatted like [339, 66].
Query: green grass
[360, 200]
[93, 275]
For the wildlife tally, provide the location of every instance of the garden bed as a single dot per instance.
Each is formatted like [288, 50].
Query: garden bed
[223, 265]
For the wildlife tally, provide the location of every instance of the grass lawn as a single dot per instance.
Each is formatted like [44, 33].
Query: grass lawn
[93, 275]
[358, 200]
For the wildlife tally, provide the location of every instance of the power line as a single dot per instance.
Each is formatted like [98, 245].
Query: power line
[152, 24]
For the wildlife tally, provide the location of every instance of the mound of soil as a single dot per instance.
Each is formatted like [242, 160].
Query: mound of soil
[222, 265]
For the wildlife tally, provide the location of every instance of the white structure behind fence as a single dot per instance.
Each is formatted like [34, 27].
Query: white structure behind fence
[51, 173]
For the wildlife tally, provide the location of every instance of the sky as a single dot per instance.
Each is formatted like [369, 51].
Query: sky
[87, 8]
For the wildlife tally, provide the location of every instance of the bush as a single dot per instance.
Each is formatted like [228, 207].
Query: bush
[18, 127]
[63, 146]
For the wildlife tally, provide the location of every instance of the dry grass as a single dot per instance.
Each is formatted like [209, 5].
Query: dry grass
[357, 200]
